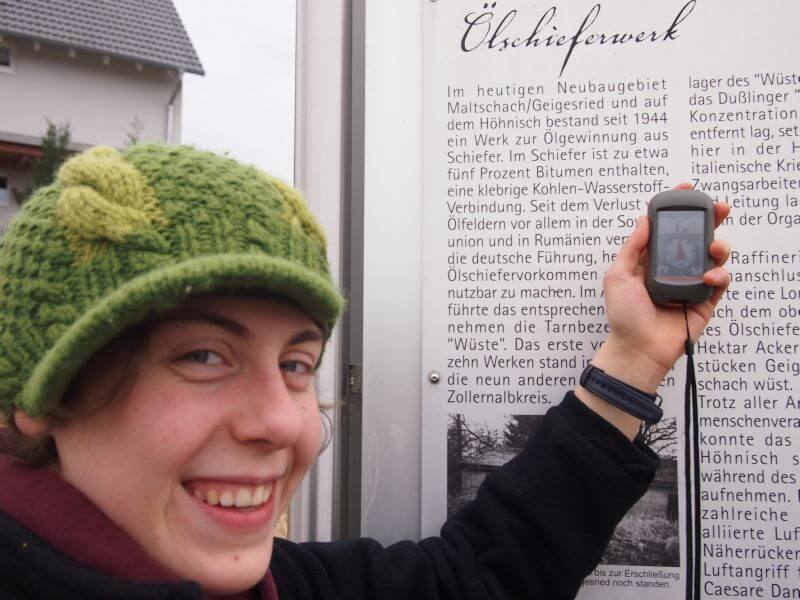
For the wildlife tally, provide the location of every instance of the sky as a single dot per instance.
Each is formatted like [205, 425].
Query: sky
[245, 103]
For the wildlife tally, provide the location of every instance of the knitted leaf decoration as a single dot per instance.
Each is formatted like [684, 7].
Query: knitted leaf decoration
[106, 199]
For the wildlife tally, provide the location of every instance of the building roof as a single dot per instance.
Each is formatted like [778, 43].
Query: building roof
[146, 31]
[491, 459]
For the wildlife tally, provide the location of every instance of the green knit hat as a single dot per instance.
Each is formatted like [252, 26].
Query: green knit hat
[118, 237]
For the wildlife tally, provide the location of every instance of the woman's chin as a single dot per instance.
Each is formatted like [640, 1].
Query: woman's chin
[234, 574]
[221, 570]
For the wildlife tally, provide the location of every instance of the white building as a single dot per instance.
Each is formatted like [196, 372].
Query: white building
[111, 70]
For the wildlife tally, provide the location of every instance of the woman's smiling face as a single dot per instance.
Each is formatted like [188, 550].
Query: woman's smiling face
[222, 411]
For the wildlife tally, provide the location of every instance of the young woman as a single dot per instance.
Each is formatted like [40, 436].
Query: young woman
[162, 313]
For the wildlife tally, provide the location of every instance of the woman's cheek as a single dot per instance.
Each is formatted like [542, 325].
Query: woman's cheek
[313, 427]
[308, 446]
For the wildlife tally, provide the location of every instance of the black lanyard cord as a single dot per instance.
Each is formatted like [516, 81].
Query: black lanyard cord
[691, 449]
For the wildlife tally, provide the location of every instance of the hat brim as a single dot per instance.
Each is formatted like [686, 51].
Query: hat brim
[165, 288]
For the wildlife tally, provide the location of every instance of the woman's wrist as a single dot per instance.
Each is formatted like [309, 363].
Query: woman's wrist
[630, 366]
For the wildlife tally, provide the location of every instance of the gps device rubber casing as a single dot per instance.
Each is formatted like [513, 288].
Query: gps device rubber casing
[681, 230]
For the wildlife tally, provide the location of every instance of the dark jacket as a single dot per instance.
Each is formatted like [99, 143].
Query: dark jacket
[537, 528]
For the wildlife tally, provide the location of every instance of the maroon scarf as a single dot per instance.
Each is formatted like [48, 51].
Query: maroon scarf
[40, 500]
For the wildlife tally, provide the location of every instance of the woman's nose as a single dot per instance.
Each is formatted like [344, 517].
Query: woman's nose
[268, 412]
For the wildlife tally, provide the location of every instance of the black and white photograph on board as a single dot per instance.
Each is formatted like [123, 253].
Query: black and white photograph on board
[476, 446]
[648, 534]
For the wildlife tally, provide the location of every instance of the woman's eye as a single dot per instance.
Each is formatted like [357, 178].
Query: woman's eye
[296, 366]
[205, 357]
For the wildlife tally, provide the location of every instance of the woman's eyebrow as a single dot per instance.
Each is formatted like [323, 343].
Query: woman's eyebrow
[229, 325]
[307, 335]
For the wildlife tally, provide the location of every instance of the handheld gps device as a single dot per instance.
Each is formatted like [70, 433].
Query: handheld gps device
[681, 229]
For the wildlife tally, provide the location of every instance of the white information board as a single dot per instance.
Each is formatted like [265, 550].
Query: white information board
[546, 129]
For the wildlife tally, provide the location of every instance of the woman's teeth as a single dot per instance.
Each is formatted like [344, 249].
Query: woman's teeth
[240, 497]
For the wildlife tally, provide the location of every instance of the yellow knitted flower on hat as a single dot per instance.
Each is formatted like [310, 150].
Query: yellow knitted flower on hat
[106, 199]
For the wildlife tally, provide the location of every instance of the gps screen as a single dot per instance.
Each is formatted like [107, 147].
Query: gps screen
[680, 248]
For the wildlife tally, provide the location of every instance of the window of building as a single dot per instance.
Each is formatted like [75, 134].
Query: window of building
[6, 58]
[5, 193]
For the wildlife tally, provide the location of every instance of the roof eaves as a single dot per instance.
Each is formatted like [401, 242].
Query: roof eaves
[187, 68]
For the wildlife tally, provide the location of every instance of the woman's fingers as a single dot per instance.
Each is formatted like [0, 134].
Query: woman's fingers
[717, 277]
[631, 251]
[720, 251]
[721, 211]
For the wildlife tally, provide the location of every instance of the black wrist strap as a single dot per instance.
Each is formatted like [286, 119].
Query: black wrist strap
[625, 397]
